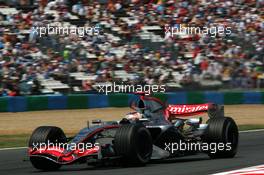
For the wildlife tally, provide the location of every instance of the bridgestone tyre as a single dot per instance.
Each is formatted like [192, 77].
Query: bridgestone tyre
[45, 134]
[133, 142]
[222, 130]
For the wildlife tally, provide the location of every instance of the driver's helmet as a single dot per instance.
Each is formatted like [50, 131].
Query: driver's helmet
[133, 116]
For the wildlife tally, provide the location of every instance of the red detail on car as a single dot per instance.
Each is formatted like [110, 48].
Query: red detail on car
[64, 158]
[186, 110]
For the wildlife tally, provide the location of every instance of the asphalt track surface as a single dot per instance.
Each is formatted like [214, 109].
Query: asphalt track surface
[250, 153]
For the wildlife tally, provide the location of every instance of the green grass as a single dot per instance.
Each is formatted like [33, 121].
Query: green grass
[250, 127]
[7, 141]
[21, 140]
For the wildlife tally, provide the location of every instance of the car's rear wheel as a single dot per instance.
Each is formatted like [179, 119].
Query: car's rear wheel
[222, 130]
[44, 135]
[133, 142]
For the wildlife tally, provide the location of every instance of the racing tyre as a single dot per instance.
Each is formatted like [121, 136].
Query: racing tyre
[134, 143]
[45, 134]
[222, 132]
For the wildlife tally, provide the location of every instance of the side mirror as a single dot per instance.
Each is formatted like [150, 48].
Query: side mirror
[144, 120]
[97, 121]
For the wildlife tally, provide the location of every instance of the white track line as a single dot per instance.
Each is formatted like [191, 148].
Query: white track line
[12, 148]
[252, 130]
[253, 170]
[247, 131]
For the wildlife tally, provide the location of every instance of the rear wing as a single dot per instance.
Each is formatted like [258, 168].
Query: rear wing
[213, 110]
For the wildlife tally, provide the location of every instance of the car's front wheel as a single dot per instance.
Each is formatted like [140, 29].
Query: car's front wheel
[134, 143]
[45, 135]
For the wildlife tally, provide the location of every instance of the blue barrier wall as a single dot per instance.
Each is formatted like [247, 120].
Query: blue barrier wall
[85, 101]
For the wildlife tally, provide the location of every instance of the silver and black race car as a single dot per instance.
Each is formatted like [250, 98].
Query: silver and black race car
[153, 131]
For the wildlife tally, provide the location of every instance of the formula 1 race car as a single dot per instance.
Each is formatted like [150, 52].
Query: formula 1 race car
[154, 131]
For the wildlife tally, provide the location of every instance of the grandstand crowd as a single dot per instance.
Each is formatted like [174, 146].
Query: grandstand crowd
[132, 46]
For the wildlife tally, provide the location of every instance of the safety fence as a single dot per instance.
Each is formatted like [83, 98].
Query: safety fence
[85, 101]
